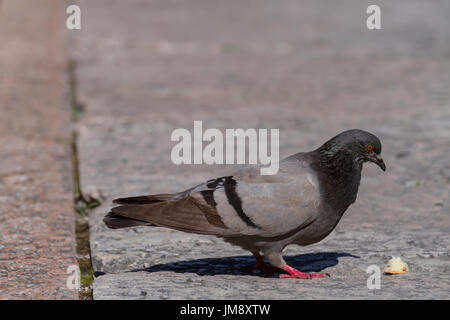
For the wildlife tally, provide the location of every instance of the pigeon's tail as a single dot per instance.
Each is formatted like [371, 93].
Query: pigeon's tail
[145, 199]
[116, 221]
[184, 213]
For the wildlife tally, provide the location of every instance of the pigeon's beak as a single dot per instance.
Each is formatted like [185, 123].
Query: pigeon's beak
[375, 158]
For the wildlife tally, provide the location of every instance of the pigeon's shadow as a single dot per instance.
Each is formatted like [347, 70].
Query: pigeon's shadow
[238, 265]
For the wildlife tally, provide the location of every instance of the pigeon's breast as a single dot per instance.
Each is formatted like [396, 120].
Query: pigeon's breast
[337, 194]
[322, 226]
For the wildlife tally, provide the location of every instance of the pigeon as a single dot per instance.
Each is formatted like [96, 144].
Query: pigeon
[263, 214]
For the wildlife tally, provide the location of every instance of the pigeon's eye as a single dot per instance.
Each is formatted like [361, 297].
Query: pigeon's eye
[369, 147]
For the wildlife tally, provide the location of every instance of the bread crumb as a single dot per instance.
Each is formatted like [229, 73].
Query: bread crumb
[396, 266]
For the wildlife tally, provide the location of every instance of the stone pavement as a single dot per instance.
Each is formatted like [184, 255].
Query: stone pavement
[37, 240]
[311, 69]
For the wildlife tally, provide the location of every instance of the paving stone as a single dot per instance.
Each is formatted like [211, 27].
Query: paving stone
[311, 70]
[37, 240]
[223, 276]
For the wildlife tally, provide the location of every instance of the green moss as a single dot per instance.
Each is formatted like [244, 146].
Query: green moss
[85, 266]
[86, 280]
[84, 260]
[85, 293]
[81, 204]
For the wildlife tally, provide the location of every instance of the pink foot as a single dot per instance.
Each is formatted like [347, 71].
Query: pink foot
[294, 273]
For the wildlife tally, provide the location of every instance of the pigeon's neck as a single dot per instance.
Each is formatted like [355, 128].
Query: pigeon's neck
[339, 175]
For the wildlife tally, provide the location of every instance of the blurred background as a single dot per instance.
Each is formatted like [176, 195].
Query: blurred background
[87, 115]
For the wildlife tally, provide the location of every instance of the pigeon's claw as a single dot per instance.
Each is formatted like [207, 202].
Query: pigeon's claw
[294, 273]
[261, 266]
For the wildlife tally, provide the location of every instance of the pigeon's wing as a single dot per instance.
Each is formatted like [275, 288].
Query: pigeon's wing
[245, 203]
[269, 206]
[189, 211]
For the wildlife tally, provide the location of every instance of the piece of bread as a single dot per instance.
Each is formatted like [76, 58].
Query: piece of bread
[396, 266]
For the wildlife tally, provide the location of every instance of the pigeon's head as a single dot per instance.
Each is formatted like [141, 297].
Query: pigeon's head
[359, 144]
